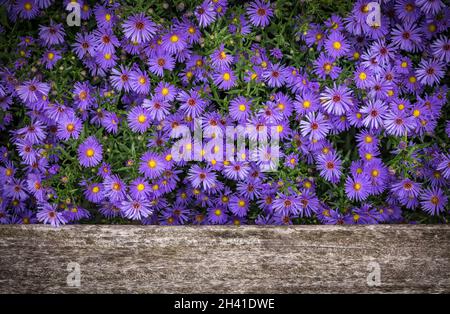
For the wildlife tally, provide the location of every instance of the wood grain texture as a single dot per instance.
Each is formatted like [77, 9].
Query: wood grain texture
[250, 259]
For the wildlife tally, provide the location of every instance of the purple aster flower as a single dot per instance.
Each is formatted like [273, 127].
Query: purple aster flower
[217, 215]
[114, 188]
[94, 192]
[240, 109]
[192, 103]
[33, 90]
[259, 13]
[105, 41]
[69, 127]
[398, 123]
[239, 205]
[406, 188]
[363, 77]
[430, 7]
[152, 165]
[50, 58]
[316, 127]
[136, 209]
[336, 45]
[205, 13]
[307, 101]
[203, 177]
[139, 28]
[157, 108]
[174, 42]
[90, 152]
[440, 49]
[165, 91]
[120, 78]
[225, 79]
[33, 133]
[26, 151]
[325, 66]
[357, 187]
[48, 214]
[430, 72]
[337, 100]
[139, 119]
[52, 34]
[220, 58]
[82, 95]
[238, 170]
[433, 201]
[26, 9]
[139, 82]
[375, 113]
[84, 45]
[407, 37]
[330, 166]
[161, 61]
[286, 204]
[275, 75]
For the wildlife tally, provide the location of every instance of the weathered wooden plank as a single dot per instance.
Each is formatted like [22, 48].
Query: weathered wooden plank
[250, 259]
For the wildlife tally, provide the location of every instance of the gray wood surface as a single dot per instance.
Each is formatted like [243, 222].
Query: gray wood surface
[250, 259]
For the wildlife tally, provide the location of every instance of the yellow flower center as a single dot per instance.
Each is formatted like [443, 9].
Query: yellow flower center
[416, 113]
[401, 106]
[279, 128]
[357, 186]
[168, 157]
[218, 212]
[151, 163]
[242, 107]
[140, 187]
[241, 203]
[174, 38]
[70, 127]
[226, 76]
[50, 55]
[142, 80]
[142, 118]
[28, 6]
[356, 55]
[95, 189]
[412, 79]
[107, 56]
[337, 45]
[306, 104]
[362, 76]
[375, 173]
[165, 91]
[368, 139]
[90, 152]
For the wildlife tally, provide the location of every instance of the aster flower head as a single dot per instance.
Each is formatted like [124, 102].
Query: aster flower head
[275, 75]
[174, 41]
[430, 72]
[205, 13]
[316, 127]
[48, 214]
[336, 45]
[330, 166]
[139, 119]
[240, 109]
[336, 100]
[357, 187]
[260, 13]
[139, 81]
[191, 103]
[52, 34]
[375, 113]
[139, 28]
[221, 58]
[32, 90]
[152, 165]
[90, 152]
[202, 177]
[433, 200]
[136, 209]
[161, 61]
[225, 79]
[69, 127]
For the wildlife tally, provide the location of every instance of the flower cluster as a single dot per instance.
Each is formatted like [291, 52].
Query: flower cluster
[359, 102]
